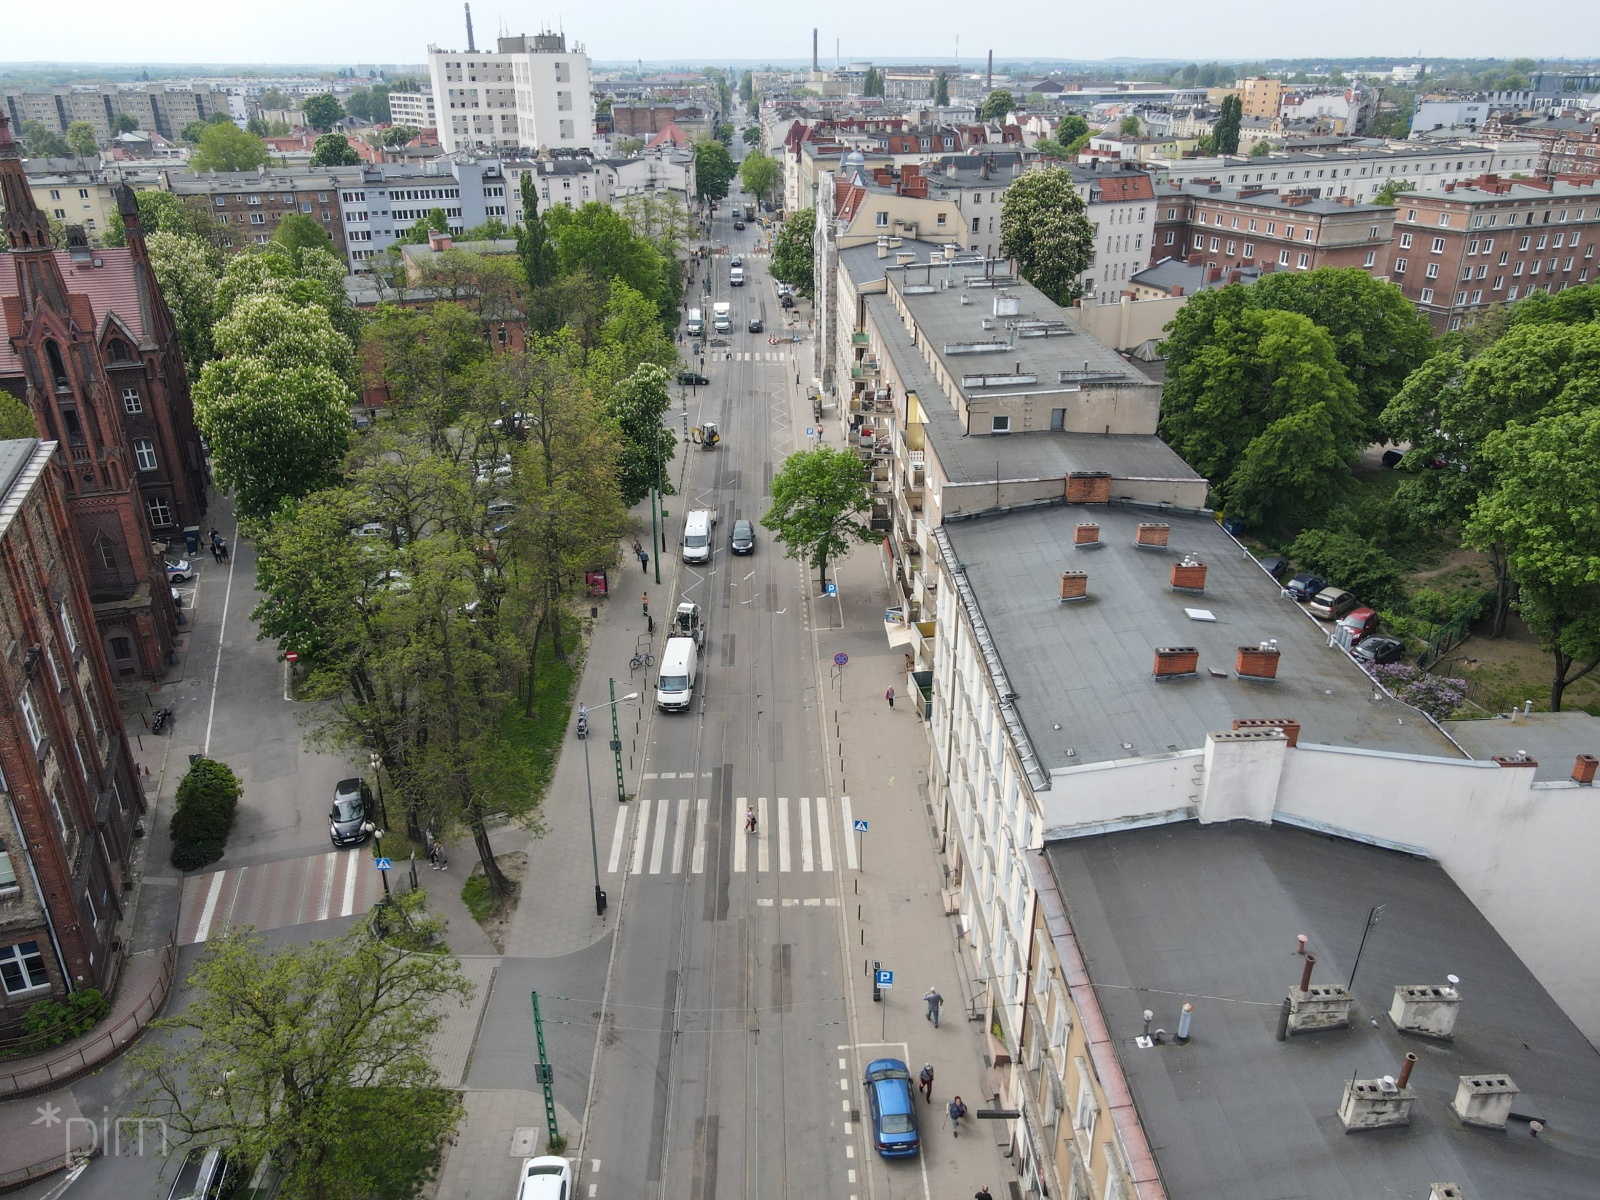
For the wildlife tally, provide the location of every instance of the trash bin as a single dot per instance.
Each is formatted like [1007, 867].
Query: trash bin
[191, 538]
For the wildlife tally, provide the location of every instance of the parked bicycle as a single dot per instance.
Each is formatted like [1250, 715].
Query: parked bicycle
[641, 660]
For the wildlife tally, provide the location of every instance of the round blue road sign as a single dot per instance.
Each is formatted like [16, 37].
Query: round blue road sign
[840, 659]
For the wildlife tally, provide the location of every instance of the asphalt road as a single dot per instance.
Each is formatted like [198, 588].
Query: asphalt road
[718, 1072]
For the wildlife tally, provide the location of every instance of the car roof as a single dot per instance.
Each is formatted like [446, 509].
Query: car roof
[347, 787]
[1334, 592]
[743, 523]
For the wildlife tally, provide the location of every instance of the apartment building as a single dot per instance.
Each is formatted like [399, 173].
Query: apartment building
[1297, 229]
[252, 204]
[571, 181]
[68, 192]
[413, 109]
[163, 108]
[1361, 167]
[71, 798]
[1262, 97]
[530, 93]
[1493, 240]
[381, 202]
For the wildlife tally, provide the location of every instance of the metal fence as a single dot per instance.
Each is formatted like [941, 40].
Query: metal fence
[1454, 631]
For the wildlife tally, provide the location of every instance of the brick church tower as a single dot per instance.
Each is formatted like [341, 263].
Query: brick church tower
[88, 343]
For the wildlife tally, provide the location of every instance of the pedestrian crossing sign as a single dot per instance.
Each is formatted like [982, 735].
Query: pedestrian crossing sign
[861, 826]
[385, 865]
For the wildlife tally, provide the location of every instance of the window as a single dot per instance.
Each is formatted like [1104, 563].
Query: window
[144, 451]
[67, 629]
[1283, 258]
[939, 221]
[60, 214]
[1505, 256]
[1216, 244]
[30, 717]
[1472, 246]
[1438, 245]
[1371, 258]
[1399, 266]
[1540, 244]
[1232, 248]
[1427, 295]
[1524, 243]
[1199, 242]
[159, 510]
[1304, 262]
[1249, 249]
[1372, 233]
[1444, 219]
[258, 218]
[8, 873]
[1461, 297]
[1499, 282]
[55, 193]
[1172, 214]
[1170, 237]
[1517, 270]
[1477, 296]
[1000, 425]
[1512, 294]
[1405, 241]
[22, 968]
[131, 401]
[1310, 233]
[1433, 271]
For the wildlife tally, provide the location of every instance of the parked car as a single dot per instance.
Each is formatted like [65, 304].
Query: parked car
[1362, 624]
[1332, 603]
[206, 1174]
[787, 300]
[545, 1178]
[1304, 586]
[894, 1114]
[743, 538]
[352, 806]
[180, 571]
[692, 379]
[1275, 565]
[755, 325]
[1380, 650]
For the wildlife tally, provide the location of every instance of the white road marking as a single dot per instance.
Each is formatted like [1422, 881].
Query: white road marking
[641, 833]
[349, 905]
[667, 775]
[222, 631]
[765, 902]
[807, 863]
[783, 833]
[741, 848]
[847, 823]
[616, 839]
[824, 836]
[680, 834]
[698, 864]
[660, 845]
[332, 859]
[210, 910]
[849, 1151]
[648, 775]
[844, 1064]
[844, 1085]
[762, 829]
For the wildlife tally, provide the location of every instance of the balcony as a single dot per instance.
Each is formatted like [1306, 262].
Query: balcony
[867, 368]
[859, 339]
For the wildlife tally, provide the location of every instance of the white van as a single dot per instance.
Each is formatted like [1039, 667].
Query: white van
[697, 535]
[722, 320]
[679, 664]
[735, 276]
[697, 323]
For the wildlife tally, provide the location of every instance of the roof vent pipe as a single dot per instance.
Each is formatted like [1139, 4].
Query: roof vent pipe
[1305, 975]
[1405, 1071]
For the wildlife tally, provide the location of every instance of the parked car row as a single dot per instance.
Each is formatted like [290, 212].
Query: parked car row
[1328, 603]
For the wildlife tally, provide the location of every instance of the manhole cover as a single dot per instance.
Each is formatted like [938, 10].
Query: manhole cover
[525, 1142]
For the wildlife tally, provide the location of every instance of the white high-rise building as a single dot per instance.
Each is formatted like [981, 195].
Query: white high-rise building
[531, 92]
[415, 109]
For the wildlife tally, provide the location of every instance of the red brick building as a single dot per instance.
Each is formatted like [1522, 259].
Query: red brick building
[71, 798]
[1296, 229]
[88, 343]
[1493, 240]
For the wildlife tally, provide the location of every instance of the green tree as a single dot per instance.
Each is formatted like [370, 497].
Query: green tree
[358, 104]
[1129, 126]
[227, 148]
[713, 169]
[492, 230]
[16, 419]
[724, 133]
[187, 276]
[637, 405]
[1043, 227]
[334, 150]
[276, 100]
[1071, 128]
[399, 135]
[282, 1054]
[794, 253]
[1545, 512]
[1226, 131]
[123, 123]
[43, 142]
[819, 500]
[751, 135]
[1261, 150]
[747, 89]
[627, 147]
[299, 232]
[534, 248]
[165, 212]
[1260, 405]
[322, 111]
[191, 132]
[1359, 564]
[81, 137]
[997, 104]
[941, 90]
[760, 174]
[596, 240]
[1386, 194]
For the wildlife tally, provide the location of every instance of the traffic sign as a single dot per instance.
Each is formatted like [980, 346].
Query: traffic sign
[292, 656]
[860, 826]
[384, 864]
[811, 431]
[840, 658]
[833, 589]
[885, 979]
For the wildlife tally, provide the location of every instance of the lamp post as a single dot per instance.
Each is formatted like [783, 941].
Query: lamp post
[657, 533]
[588, 783]
[377, 837]
[375, 761]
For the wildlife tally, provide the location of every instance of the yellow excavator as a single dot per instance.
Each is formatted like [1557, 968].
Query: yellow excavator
[706, 435]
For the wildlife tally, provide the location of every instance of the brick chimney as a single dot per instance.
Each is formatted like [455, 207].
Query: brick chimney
[1583, 769]
[1074, 585]
[1175, 662]
[1088, 534]
[1089, 487]
[1152, 533]
[437, 240]
[1257, 662]
[1189, 575]
[1291, 729]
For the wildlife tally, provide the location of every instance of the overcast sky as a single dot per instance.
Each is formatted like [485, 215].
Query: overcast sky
[391, 31]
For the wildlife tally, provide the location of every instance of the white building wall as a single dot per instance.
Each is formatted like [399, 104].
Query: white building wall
[1123, 235]
[533, 99]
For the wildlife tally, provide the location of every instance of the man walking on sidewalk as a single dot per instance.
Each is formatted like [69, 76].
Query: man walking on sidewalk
[933, 1001]
[925, 1081]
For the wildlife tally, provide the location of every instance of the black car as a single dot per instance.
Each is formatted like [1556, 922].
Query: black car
[1304, 586]
[755, 325]
[352, 807]
[1379, 650]
[738, 223]
[786, 300]
[743, 538]
[692, 379]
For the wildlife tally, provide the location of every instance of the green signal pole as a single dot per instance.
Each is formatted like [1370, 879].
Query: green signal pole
[616, 744]
[546, 1077]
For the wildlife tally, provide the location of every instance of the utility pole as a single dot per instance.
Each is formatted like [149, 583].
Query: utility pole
[546, 1077]
[616, 744]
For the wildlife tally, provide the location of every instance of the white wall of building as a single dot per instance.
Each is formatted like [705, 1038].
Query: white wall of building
[536, 98]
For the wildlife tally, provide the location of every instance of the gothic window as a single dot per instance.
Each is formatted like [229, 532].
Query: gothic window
[58, 369]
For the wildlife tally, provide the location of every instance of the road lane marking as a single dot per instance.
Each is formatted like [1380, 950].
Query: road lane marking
[667, 775]
[807, 862]
[349, 886]
[680, 834]
[848, 824]
[783, 833]
[616, 839]
[660, 845]
[698, 864]
[824, 835]
[331, 860]
[210, 910]
[741, 848]
[641, 835]
[762, 830]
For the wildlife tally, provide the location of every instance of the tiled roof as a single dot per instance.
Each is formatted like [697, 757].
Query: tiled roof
[111, 288]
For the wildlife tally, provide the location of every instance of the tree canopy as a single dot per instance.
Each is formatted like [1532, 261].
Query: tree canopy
[323, 111]
[334, 150]
[713, 169]
[299, 232]
[43, 142]
[1044, 227]
[760, 174]
[227, 148]
[941, 90]
[997, 104]
[793, 251]
[1225, 133]
[81, 137]
[819, 500]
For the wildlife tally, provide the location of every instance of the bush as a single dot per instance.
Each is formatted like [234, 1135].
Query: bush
[50, 1022]
[1436, 695]
[208, 798]
[1351, 562]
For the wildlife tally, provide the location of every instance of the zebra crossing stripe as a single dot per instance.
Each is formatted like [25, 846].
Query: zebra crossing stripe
[617, 838]
[641, 832]
[660, 845]
[824, 835]
[783, 833]
[209, 912]
[762, 829]
[847, 822]
[806, 860]
[698, 863]
[741, 848]
[680, 834]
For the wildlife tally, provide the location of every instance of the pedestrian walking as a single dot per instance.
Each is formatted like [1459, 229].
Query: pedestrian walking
[750, 819]
[644, 561]
[647, 604]
[223, 547]
[982, 1194]
[925, 1081]
[933, 1001]
[889, 696]
[956, 1111]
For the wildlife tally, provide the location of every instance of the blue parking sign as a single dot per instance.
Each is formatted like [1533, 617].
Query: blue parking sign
[885, 979]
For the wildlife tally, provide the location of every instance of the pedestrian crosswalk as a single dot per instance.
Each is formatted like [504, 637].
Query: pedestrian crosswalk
[777, 356]
[293, 891]
[673, 836]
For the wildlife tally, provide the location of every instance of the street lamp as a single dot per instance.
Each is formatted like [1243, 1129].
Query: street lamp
[377, 836]
[588, 783]
[375, 761]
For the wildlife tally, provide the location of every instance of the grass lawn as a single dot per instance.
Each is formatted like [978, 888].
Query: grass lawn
[539, 737]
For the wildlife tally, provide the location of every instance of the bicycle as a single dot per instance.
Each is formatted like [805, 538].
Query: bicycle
[641, 660]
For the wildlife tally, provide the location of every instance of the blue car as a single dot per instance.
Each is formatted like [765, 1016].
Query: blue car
[894, 1116]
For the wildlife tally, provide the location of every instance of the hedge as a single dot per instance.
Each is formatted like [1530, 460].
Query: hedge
[208, 798]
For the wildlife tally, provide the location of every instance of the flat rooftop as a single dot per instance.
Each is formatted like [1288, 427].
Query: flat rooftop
[1553, 740]
[1290, 200]
[1083, 671]
[1209, 915]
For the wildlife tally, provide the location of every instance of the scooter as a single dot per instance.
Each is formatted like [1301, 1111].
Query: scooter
[160, 720]
[583, 722]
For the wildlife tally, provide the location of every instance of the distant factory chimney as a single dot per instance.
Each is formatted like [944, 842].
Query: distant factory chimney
[815, 64]
[988, 79]
[472, 46]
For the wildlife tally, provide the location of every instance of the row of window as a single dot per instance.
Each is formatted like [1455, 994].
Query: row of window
[55, 193]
